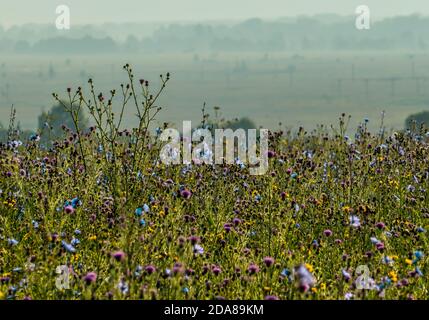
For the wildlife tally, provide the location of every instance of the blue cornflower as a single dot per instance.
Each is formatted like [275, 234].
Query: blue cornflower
[142, 222]
[75, 202]
[68, 247]
[198, 249]
[419, 255]
[138, 271]
[35, 224]
[146, 208]
[419, 272]
[12, 242]
[139, 212]
[420, 229]
[285, 272]
[34, 137]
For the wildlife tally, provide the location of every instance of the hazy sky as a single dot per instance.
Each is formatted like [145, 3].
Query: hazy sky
[98, 11]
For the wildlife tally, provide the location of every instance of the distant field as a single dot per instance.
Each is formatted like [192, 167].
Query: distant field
[295, 89]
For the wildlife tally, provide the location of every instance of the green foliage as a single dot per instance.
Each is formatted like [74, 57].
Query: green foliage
[51, 124]
[243, 123]
[327, 204]
[415, 121]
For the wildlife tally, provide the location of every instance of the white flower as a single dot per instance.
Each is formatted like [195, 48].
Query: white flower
[354, 221]
[348, 296]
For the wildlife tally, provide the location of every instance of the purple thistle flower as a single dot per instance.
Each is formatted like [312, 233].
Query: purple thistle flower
[186, 194]
[380, 246]
[380, 225]
[236, 221]
[150, 269]
[178, 268]
[216, 270]
[69, 209]
[269, 261]
[118, 255]
[90, 277]
[327, 233]
[194, 239]
[253, 268]
[227, 227]
[271, 154]
[271, 298]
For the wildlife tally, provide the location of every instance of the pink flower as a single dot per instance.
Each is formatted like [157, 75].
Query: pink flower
[90, 277]
[327, 233]
[69, 209]
[118, 255]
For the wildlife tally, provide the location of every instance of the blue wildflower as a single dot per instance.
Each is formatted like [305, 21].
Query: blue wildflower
[419, 255]
[285, 272]
[35, 224]
[419, 272]
[68, 247]
[421, 230]
[12, 242]
[139, 212]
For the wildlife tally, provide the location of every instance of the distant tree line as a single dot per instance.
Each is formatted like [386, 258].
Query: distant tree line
[322, 32]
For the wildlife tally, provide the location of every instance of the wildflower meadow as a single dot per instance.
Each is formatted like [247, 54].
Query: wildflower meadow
[338, 214]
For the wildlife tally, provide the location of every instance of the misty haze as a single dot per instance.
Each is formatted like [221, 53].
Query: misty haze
[296, 70]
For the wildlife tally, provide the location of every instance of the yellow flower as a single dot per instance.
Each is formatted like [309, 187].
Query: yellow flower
[267, 289]
[93, 237]
[75, 257]
[314, 290]
[347, 209]
[309, 267]
[409, 262]
[393, 276]
[323, 286]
